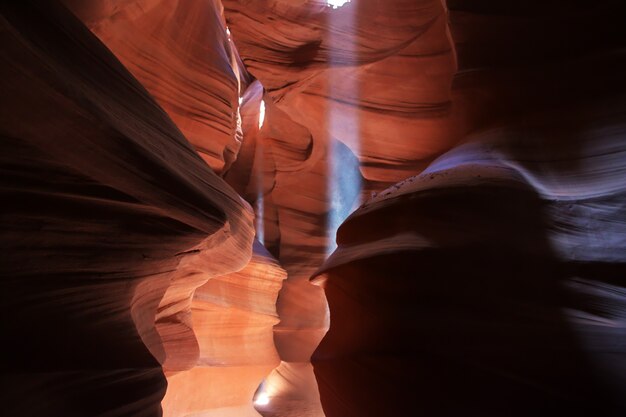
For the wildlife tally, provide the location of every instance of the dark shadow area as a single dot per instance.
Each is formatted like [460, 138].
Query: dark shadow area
[475, 323]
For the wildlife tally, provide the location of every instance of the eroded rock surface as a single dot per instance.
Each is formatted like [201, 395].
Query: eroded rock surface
[233, 317]
[106, 211]
[492, 283]
[181, 53]
[357, 98]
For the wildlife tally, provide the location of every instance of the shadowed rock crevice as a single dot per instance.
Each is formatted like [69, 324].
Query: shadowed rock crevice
[488, 284]
[101, 192]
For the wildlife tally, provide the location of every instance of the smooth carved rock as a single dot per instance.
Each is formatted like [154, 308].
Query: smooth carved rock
[382, 70]
[489, 284]
[181, 53]
[492, 283]
[106, 209]
[367, 85]
[494, 278]
[233, 317]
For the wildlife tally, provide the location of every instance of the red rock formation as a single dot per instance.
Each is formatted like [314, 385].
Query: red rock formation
[491, 284]
[188, 38]
[367, 84]
[106, 211]
[350, 61]
[233, 317]
[180, 51]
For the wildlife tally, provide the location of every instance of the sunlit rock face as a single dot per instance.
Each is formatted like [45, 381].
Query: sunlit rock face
[314, 60]
[283, 198]
[493, 283]
[233, 317]
[488, 282]
[110, 220]
[181, 53]
[357, 98]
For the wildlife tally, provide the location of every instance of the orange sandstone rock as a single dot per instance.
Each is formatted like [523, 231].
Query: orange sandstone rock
[181, 53]
[106, 209]
[233, 317]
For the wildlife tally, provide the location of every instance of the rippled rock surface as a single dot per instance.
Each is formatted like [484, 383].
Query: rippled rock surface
[357, 98]
[233, 317]
[181, 53]
[482, 276]
[110, 221]
[493, 283]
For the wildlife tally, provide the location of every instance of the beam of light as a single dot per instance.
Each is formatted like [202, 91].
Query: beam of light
[344, 177]
[262, 399]
[236, 71]
[261, 396]
[260, 200]
[260, 226]
[344, 188]
[336, 3]
[261, 114]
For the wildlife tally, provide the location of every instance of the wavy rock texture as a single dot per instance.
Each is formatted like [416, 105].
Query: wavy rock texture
[360, 94]
[107, 213]
[382, 70]
[180, 51]
[492, 283]
[233, 317]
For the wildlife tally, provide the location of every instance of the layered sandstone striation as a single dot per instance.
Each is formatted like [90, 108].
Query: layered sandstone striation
[182, 54]
[373, 76]
[233, 317]
[110, 221]
[357, 98]
[492, 283]
[488, 281]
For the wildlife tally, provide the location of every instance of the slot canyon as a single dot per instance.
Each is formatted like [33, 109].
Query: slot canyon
[311, 208]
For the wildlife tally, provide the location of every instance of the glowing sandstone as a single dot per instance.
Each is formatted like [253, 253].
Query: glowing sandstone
[390, 69]
[105, 207]
[492, 283]
[181, 53]
[233, 317]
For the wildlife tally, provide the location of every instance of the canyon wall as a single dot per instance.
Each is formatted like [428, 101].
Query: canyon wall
[181, 53]
[482, 275]
[233, 317]
[356, 99]
[110, 221]
[493, 283]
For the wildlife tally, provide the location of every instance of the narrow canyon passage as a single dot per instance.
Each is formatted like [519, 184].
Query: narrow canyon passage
[309, 208]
